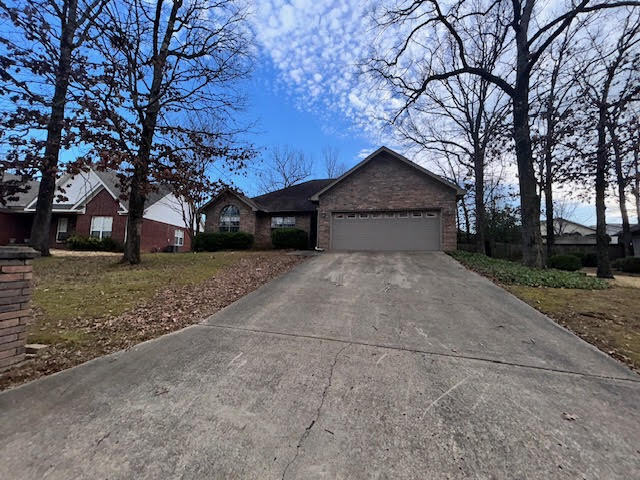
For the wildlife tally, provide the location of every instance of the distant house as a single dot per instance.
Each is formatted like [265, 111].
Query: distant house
[635, 239]
[94, 207]
[568, 232]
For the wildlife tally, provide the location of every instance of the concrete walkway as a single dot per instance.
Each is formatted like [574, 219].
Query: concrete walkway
[350, 366]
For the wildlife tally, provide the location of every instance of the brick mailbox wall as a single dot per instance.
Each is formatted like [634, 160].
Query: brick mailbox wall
[15, 297]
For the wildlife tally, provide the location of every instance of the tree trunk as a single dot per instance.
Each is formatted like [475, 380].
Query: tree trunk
[548, 204]
[621, 181]
[602, 240]
[40, 229]
[467, 223]
[636, 179]
[529, 199]
[478, 172]
[140, 179]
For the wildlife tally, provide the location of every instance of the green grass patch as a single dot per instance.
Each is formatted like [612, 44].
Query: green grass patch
[514, 273]
[93, 287]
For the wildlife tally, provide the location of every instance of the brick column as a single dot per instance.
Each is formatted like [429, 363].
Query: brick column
[15, 295]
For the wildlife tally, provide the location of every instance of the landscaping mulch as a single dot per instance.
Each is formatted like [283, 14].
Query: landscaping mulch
[170, 309]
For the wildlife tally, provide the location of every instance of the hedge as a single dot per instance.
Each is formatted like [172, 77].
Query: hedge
[569, 263]
[289, 238]
[107, 244]
[627, 264]
[211, 242]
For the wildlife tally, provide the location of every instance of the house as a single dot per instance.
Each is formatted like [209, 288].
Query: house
[94, 207]
[635, 239]
[572, 233]
[384, 203]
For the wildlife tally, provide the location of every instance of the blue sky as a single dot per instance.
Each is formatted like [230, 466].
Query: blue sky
[306, 91]
[280, 121]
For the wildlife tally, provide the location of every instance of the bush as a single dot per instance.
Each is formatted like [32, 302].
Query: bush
[289, 238]
[92, 244]
[617, 263]
[590, 260]
[211, 242]
[78, 242]
[569, 263]
[111, 245]
[514, 273]
[627, 264]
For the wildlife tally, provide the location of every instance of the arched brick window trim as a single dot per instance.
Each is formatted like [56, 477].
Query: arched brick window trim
[229, 219]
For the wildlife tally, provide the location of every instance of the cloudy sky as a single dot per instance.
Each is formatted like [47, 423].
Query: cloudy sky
[306, 91]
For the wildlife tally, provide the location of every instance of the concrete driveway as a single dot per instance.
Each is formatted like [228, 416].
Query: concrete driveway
[350, 366]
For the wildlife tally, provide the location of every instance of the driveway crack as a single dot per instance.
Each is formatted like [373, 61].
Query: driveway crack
[307, 430]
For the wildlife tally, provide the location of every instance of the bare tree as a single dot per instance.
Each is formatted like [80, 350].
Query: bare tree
[166, 61]
[194, 176]
[556, 97]
[332, 164]
[285, 167]
[608, 86]
[463, 118]
[434, 26]
[38, 65]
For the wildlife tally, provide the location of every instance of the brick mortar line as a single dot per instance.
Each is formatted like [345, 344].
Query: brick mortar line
[424, 352]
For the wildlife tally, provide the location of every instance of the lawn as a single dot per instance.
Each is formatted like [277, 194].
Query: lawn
[88, 306]
[604, 313]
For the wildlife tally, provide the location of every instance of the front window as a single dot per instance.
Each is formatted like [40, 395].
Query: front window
[283, 222]
[178, 238]
[62, 230]
[230, 219]
[101, 227]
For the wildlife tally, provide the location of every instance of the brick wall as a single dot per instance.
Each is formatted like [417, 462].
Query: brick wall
[212, 213]
[386, 183]
[15, 226]
[263, 226]
[15, 297]
[102, 205]
[157, 236]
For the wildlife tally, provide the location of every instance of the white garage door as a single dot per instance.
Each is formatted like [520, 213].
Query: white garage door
[385, 231]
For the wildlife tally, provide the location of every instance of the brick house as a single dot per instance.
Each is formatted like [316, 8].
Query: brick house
[386, 202]
[93, 207]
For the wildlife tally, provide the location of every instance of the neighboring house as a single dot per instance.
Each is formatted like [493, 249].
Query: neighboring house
[94, 207]
[386, 202]
[635, 239]
[572, 233]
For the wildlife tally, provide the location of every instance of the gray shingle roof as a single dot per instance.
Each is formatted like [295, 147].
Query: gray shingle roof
[292, 199]
[23, 198]
[108, 177]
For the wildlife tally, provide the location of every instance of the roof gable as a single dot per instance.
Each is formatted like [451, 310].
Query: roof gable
[246, 200]
[396, 156]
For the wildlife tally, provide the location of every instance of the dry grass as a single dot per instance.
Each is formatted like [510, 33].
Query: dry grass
[609, 319]
[89, 306]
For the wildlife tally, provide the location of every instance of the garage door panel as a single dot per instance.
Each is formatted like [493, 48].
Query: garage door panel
[385, 233]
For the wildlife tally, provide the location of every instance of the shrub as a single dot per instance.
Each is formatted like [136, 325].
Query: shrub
[629, 264]
[289, 238]
[617, 263]
[211, 242]
[590, 260]
[78, 242]
[107, 244]
[569, 263]
[111, 245]
[514, 273]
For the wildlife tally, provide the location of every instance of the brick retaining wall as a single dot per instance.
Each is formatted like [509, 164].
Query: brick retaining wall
[15, 297]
